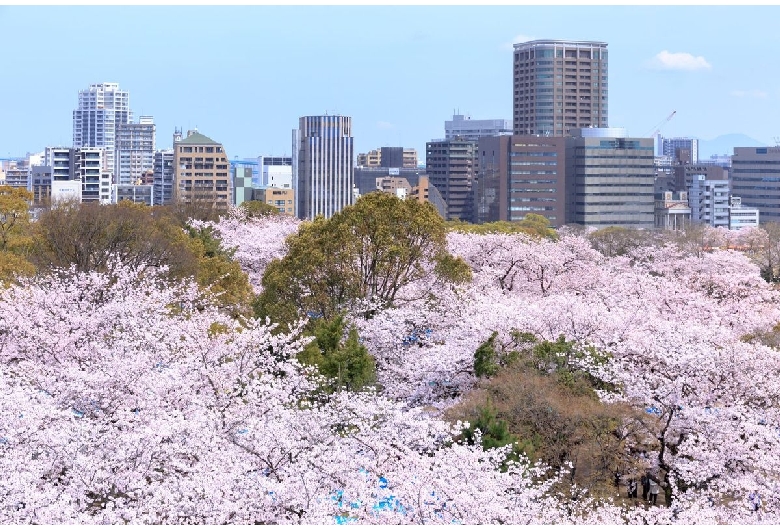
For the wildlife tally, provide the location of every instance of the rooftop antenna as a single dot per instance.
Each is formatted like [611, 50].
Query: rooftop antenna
[776, 139]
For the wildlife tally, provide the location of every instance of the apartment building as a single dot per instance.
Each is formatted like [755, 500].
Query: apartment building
[201, 173]
[559, 86]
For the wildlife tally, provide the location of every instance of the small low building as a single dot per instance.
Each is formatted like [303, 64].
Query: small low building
[672, 211]
[741, 216]
[282, 198]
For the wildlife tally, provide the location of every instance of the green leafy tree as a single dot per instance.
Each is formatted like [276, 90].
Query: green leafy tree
[345, 362]
[15, 238]
[532, 224]
[258, 209]
[368, 251]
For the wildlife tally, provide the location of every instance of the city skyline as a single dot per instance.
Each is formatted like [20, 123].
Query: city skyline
[399, 72]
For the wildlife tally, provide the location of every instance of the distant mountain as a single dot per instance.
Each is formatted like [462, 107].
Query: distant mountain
[725, 144]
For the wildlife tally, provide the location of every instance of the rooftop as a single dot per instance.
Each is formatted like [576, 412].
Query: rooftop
[548, 42]
[196, 139]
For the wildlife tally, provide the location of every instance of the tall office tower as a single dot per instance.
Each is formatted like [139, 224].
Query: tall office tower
[325, 175]
[755, 177]
[668, 147]
[102, 109]
[135, 146]
[559, 85]
[451, 166]
[163, 177]
[201, 172]
[520, 175]
[468, 129]
[609, 179]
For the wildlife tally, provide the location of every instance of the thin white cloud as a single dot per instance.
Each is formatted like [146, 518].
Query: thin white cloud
[758, 94]
[666, 60]
[518, 39]
[384, 125]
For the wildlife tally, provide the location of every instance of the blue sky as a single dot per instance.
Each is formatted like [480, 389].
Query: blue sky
[244, 75]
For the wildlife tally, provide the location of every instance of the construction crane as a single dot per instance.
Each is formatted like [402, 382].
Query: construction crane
[657, 128]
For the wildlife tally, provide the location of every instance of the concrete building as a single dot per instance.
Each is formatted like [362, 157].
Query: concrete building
[609, 179]
[40, 184]
[672, 211]
[519, 175]
[400, 157]
[102, 108]
[397, 186]
[281, 198]
[709, 200]
[201, 173]
[685, 174]
[463, 126]
[59, 159]
[241, 180]
[323, 169]
[17, 175]
[95, 180]
[137, 193]
[451, 166]
[135, 148]
[559, 86]
[84, 165]
[741, 216]
[365, 177]
[65, 190]
[424, 191]
[274, 172]
[163, 180]
[755, 177]
[370, 159]
[669, 146]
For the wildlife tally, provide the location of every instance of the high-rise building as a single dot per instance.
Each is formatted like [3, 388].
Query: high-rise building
[323, 168]
[755, 177]
[609, 179]
[162, 189]
[669, 146]
[135, 146]
[520, 175]
[559, 85]
[468, 129]
[201, 171]
[103, 107]
[451, 168]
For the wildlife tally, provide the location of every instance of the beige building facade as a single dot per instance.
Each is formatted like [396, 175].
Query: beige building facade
[282, 198]
[201, 171]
